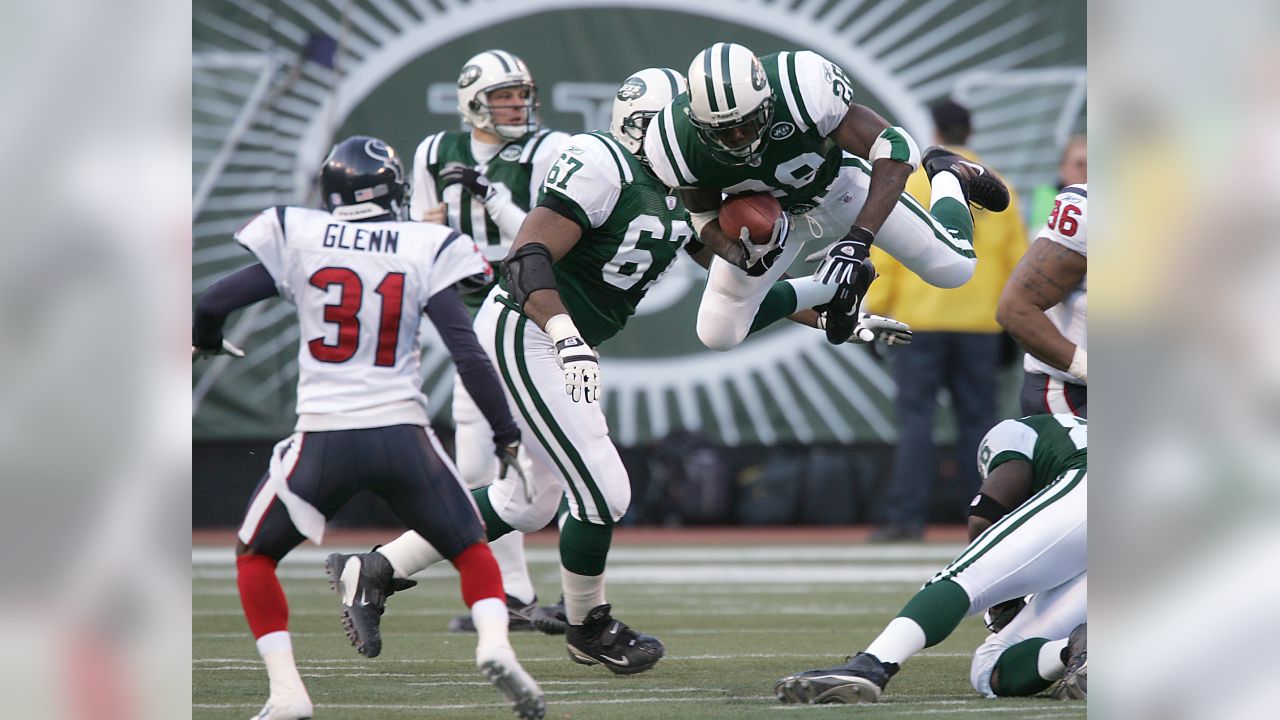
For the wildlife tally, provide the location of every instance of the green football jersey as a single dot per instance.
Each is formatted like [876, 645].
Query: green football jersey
[810, 97]
[633, 228]
[1053, 444]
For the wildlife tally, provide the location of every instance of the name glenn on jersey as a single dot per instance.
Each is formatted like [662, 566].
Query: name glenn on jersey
[346, 237]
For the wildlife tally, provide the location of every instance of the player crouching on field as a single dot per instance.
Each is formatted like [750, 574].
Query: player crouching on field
[1037, 465]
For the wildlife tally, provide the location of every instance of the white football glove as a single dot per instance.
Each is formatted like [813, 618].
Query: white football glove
[778, 239]
[576, 359]
[875, 327]
[226, 349]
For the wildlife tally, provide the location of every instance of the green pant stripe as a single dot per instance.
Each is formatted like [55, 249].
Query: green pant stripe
[1008, 525]
[515, 394]
[602, 509]
[939, 230]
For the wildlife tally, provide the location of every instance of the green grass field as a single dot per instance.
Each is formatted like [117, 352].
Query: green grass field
[734, 619]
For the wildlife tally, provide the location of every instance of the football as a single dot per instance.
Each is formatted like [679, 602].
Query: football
[757, 212]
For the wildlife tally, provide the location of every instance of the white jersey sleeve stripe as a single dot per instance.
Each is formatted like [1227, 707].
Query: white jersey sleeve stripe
[532, 146]
[671, 146]
[433, 154]
[788, 94]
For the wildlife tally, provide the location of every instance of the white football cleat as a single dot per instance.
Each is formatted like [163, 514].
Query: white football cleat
[500, 667]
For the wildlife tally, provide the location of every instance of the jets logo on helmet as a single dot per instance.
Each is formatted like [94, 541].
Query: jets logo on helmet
[488, 72]
[363, 179]
[633, 88]
[640, 98]
[730, 102]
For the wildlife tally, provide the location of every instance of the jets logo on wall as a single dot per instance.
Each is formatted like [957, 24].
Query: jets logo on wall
[395, 76]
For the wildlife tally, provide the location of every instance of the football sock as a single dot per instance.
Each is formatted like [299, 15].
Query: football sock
[899, 640]
[490, 618]
[261, 595]
[410, 553]
[584, 546]
[508, 550]
[1018, 672]
[938, 608]
[778, 303]
[582, 593]
[276, 650]
[480, 575]
[949, 207]
[494, 525]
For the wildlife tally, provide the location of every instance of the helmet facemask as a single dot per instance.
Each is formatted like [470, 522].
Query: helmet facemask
[741, 140]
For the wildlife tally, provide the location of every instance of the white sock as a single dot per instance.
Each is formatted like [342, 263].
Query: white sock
[490, 618]
[582, 594]
[899, 640]
[276, 650]
[946, 185]
[1049, 664]
[810, 293]
[508, 550]
[410, 553]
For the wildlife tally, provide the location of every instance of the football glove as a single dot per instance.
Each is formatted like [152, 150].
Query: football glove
[509, 466]
[576, 359]
[226, 349]
[875, 327]
[753, 253]
[473, 180]
[1002, 614]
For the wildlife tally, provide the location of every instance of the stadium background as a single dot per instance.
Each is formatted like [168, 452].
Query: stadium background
[709, 437]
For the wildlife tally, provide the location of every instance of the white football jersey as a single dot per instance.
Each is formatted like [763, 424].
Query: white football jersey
[359, 289]
[1068, 225]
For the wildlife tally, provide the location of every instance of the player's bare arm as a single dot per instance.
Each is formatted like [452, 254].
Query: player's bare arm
[1042, 278]
[558, 234]
[1007, 486]
[856, 133]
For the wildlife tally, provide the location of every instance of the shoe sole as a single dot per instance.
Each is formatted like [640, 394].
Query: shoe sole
[851, 691]
[584, 659]
[528, 703]
[370, 647]
[550, 625]
[1069, 688]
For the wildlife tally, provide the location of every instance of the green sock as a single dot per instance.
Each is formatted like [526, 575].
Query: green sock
[955, 217]
[779, 303]
[584, 546]
[1017, 672]
[938, 608]
[495, 527]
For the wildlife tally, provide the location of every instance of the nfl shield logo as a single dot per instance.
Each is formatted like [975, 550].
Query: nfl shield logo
[671, 202]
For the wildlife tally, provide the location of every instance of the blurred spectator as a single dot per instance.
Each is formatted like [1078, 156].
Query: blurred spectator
[1073, 169]
[957, 345]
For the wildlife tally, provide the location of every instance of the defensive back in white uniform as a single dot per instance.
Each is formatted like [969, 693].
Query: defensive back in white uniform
[1068, 226]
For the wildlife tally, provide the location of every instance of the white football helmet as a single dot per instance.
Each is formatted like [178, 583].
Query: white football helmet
[642, 96]
[489, 71]
[730, 101]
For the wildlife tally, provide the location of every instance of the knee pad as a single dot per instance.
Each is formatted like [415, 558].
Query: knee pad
[720, 333]
[984, 663]
[619, 500]
[952, 274]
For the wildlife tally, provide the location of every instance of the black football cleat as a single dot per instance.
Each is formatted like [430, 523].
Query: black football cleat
[980, 186]
[602, 640]
[1075, 681]
[550, 619]
[363, 583]
[518, 618]
[860, 680]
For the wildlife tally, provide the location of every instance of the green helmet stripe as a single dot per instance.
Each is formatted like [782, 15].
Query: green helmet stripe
[506, 67]
[671, 78]
[725, 77]
[711, 86]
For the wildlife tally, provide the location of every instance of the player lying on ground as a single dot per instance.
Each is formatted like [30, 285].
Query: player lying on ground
[1040, 547]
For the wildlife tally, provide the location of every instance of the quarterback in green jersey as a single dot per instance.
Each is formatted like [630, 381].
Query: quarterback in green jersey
[1038, 466]
[481, 183]
[786, 124]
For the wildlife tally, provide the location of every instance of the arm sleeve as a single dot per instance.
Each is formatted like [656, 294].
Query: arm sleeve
[1008, 440]
[588, 178]
[423, 196]
[543, 159]
[825, 91]
[239, 289]
[452, 321]
[455, 258]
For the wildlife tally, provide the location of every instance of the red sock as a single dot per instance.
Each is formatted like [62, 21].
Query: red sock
[481, 577]
[261, 595]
